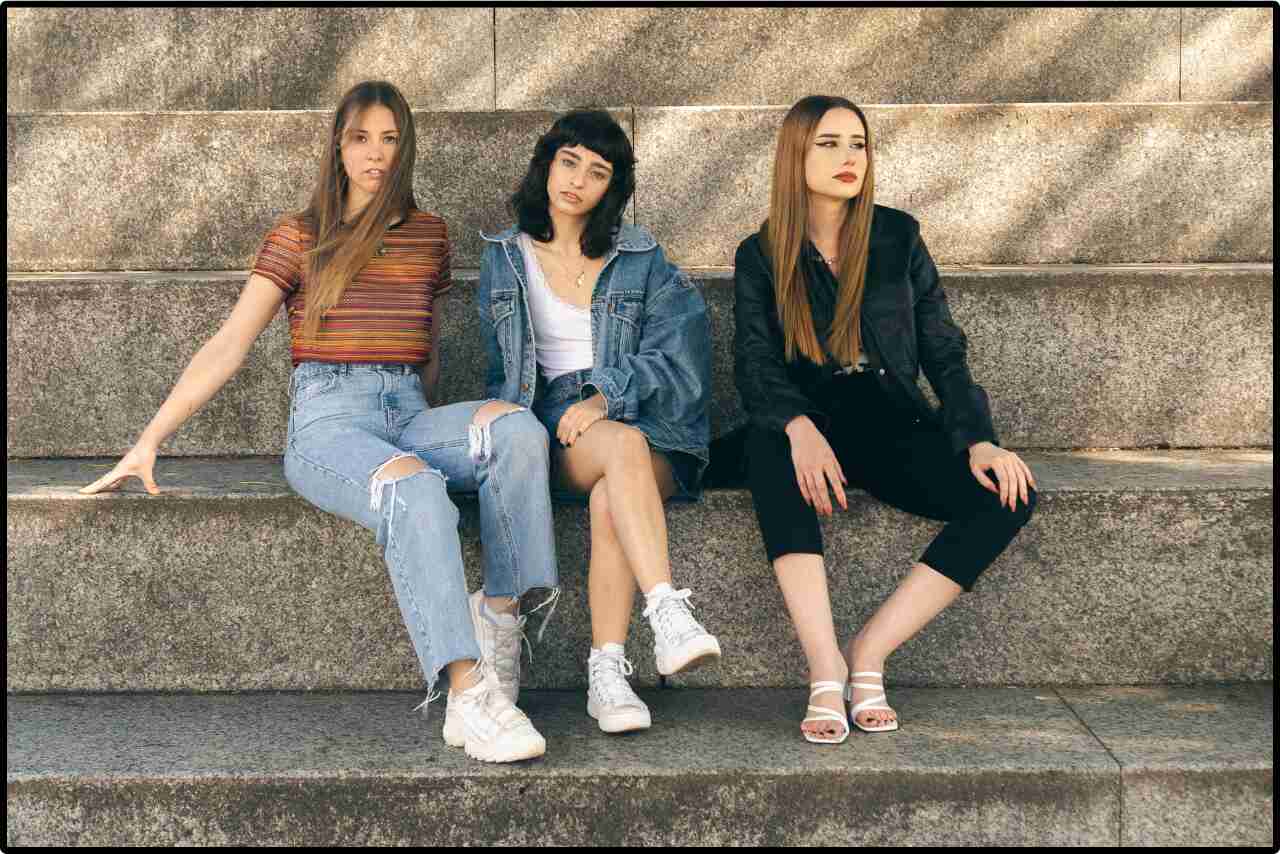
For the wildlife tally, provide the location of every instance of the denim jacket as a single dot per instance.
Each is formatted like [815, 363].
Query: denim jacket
[650, 339]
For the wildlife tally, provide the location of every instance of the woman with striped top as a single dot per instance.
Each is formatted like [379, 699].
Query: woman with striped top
[362, 273]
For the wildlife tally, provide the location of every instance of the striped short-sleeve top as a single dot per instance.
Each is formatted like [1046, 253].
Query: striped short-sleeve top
[384, 315]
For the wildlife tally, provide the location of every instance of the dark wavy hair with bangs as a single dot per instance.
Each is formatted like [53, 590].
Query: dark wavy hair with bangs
[595, 130]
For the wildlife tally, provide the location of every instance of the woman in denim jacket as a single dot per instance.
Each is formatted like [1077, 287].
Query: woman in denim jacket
[587, 322]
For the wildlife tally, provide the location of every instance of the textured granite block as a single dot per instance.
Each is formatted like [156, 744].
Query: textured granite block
[228, 581]
[1227, 54]
[192, 191]
[1196, 761]
[1027, 183]
[991, 184]
[1003, 766]
[1071, 357]
[674, 57]
[244, 59]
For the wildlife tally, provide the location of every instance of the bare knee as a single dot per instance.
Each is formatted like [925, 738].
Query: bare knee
[631, 448]
[398, 467]
[492, 411]
[392, 472]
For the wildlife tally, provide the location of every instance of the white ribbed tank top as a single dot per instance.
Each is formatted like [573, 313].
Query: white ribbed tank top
[561, 330]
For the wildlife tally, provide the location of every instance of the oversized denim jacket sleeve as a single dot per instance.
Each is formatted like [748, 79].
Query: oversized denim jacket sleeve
[670, 372]
[943, 348]
[495, 371]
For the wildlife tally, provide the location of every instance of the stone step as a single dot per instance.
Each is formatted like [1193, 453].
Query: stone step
[1101, 765]
[481, 59]
[1126, 356]
[937, 55]
[999, 184]
[1137, 567]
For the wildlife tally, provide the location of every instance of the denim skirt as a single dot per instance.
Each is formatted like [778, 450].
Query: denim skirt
[554, 398]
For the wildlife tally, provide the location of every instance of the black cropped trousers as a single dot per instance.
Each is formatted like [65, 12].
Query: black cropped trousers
[903, 460]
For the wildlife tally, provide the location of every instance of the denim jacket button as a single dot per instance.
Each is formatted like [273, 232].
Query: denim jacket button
[524, 387]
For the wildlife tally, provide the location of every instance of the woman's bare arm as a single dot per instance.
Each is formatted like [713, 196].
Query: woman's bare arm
[209, 370]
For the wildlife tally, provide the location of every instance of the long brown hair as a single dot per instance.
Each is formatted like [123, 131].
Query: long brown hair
[784, 233]
[342, 250]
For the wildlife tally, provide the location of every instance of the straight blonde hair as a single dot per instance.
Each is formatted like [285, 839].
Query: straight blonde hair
[343, 249]
[785, 233]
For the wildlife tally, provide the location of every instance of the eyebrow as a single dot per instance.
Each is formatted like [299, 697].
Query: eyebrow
[837, 136]
[576, 156]
[350, 131]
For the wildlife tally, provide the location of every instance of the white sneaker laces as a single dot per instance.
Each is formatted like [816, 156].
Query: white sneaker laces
[504, 638]
[671, 616]
[608, 672]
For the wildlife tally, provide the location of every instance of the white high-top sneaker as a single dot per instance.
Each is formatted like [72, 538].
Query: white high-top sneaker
[487, 725]
[610, 700]
[679, 641]
[499, 642]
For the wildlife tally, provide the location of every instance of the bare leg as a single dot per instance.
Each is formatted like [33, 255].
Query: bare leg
[921, 596]
[803, 579]
[458, 671]
[620, 455]
[611, 583]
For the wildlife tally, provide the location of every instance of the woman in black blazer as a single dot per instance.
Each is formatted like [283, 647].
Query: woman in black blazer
[837, 308]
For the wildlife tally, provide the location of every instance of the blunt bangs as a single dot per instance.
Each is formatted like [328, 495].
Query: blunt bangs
[596, 131]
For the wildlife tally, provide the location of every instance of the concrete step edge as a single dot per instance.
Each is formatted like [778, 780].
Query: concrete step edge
[1055, 766]
[1110, 471]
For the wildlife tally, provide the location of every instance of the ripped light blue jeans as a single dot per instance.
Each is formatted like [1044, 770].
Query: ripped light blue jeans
[346, 421]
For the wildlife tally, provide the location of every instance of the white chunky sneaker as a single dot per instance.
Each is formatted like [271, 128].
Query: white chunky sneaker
[482, 721]
[610, 700]
[679, 641]
[499, 641]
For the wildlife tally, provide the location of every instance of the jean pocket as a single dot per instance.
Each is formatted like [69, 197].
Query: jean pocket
[313, 385]
[625, 322]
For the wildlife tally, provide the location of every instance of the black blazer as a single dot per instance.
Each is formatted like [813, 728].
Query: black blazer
[905, 323]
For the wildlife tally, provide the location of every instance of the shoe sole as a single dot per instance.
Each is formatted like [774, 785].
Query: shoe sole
[530, 751]
[696, 658]
[454, 738]
[890, 728]
[624, 722]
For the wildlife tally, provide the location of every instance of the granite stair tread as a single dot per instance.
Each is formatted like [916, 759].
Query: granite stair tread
[984, 762]
[1138, 566]
[1114, 470]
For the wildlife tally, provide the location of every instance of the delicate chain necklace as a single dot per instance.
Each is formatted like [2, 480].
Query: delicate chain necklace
[830, 261]
[582, 274]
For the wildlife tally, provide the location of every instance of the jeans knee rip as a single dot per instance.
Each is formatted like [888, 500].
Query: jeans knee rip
[480, 437]
[377, 481]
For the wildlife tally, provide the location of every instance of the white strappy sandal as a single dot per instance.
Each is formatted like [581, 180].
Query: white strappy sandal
[818, 713]
[872, 703]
